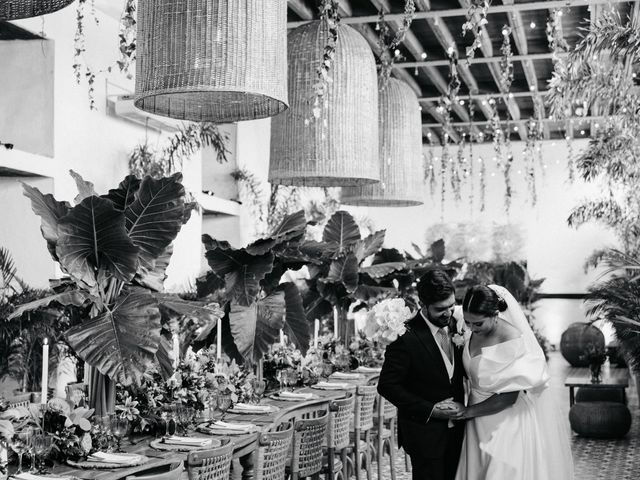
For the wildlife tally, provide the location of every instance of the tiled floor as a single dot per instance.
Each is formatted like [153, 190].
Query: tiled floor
[593, 459]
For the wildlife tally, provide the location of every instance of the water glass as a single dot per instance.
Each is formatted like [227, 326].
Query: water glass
[42, 444]
[119, 427]
[258, 387]
[224, 403]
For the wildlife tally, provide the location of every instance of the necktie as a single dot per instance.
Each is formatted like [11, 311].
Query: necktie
[443, 340]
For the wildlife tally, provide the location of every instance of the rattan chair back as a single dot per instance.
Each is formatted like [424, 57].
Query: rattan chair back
[308, 439]
[365, 400]
[340, 418]
[272, 453]
[174, 473]
[213, 464]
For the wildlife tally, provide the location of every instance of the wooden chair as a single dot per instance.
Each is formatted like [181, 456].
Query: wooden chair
[210, 464]
[362, 425]
[309, 433]
[174, 473]
[340, 417]
[272, 453]
[384, 434]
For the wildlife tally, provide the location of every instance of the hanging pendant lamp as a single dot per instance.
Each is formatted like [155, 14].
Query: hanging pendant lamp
[212, 60]
[341, 146]
[400, 146]
[15, 9]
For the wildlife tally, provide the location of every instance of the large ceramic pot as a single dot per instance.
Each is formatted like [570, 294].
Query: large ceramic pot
[577, 339]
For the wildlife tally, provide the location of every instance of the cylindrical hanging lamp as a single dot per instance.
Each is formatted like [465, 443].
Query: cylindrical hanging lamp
[341, 146]
[15, 9]
[400, 146]
[212, 60]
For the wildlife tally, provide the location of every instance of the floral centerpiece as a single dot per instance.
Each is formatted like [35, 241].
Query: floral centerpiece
[366, 351]
[287, 357]
[386, 320]
[6, 433]
[595, 356]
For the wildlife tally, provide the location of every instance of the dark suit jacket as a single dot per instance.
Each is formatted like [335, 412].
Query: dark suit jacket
[414, 378]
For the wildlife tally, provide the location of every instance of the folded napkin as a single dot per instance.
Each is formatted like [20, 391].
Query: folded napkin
[296, 395]
[30, 476]
[104, 457]
[187, 441]
[237, 427]
[346, 376]
[247, 407]
[369, 369]
[333, 385]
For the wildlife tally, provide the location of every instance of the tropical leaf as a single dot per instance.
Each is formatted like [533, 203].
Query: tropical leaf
[91, 238]
[122, 341]
[296, 324]
[205, 314]
[342, 230]
[371, 294]
[208, 284]
[370, 245]
[155, 217]
[50, 212]
[345, 270]
[85, 188]
[7, 269]
[315, 305]
[125, 194]
[438, 251]
[254, 328]
[242, 271]
[292, 226]
[154, 278]
[417, 248]
[380, 270]
[70, 297]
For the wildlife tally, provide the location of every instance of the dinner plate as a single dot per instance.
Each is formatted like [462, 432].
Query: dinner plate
[159, 444]
[87, 464]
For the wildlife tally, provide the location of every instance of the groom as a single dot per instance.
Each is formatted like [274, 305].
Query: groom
[422, 369]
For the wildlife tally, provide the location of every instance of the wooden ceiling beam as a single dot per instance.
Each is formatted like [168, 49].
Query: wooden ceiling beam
[477, 60]
[487, 96]
[578, 120]
[301, 9]
[462, 12]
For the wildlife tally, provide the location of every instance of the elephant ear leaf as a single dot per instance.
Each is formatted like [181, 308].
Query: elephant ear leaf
[153, 278]
[296, 326]
[345, 270]
[50, 212]
[125, 194]
[292, 226]
[155, 217]
[241, 271]
[342, 230]
[122, 341]
[370, 245]
[256, 327]
[92, 238]
[85, 188]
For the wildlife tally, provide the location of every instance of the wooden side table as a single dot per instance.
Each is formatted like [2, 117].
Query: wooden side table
[611, 378]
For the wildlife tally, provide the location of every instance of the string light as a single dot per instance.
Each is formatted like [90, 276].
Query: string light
[423, 55]
[397, 52]
[461, 102]
[532, 25]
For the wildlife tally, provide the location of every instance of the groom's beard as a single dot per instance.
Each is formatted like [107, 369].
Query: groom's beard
[440, 321]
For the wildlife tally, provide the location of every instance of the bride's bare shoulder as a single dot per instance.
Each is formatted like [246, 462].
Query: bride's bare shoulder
[508, 331]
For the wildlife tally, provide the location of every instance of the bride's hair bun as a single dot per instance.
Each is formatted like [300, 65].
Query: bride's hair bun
[502, 304]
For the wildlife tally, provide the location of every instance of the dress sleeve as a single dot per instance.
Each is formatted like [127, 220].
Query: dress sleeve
[508, 367]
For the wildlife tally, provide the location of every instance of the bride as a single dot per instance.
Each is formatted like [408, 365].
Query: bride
[513, 430]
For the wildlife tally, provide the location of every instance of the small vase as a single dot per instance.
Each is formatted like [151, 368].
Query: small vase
[596, 370]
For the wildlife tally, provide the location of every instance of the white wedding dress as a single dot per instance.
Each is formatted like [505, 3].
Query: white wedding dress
[527, 441]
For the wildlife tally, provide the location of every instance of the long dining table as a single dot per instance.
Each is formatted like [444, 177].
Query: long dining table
[245, 445]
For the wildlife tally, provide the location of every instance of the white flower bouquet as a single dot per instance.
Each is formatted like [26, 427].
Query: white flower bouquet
[386, 320]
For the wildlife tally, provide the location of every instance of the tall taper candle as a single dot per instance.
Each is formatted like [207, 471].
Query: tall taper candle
[316, 330]
[176, 350]
[281, 337]
[219, 339]
[335, 322]
[45, 370]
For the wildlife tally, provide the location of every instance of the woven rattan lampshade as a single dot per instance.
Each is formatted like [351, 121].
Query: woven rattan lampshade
[15, 9]
[340, 147]
[400, 152]
[212, 60]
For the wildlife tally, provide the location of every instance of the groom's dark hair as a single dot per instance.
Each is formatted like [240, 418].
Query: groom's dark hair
[435, 286]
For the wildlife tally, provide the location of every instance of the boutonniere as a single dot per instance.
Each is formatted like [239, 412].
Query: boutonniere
[459, 333]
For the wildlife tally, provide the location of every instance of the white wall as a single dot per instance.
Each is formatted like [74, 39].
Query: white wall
[90, 142]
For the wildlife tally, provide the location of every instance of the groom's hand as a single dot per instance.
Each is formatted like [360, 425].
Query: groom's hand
[448, 410]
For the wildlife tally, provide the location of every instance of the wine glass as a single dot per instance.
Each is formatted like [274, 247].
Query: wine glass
[20, 444]
[280, 377]
[42, 444]
[258, 387]
[119, 427]
[224, 403]
[212, 403]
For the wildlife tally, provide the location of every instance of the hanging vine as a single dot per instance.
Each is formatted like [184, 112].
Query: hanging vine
[476, 20]
[472, 110]
[127, 36]
[483, 183]
[330, 17]
[529, 163]
[506, 60]
[388, 43]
